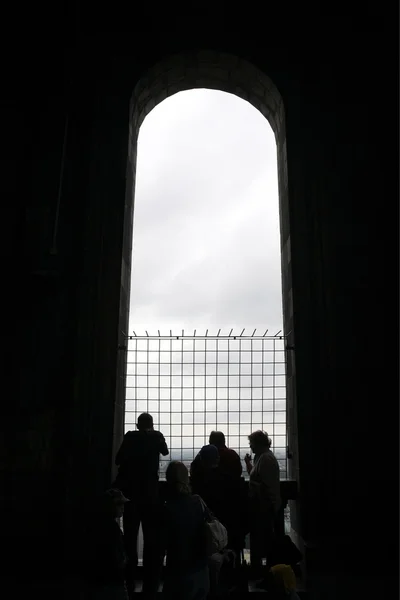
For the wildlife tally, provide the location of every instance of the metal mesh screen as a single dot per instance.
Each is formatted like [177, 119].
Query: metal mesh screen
[194, 384]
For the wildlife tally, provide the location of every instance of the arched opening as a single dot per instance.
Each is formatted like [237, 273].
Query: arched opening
[206, 225]
[220, 72]
[206, 259]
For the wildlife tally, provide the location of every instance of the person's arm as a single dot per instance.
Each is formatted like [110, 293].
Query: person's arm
[249, 464]
[194, 466]
[195, 477]
[163, 448]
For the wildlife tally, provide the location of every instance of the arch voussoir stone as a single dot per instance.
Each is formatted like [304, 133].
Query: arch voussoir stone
[228, 73]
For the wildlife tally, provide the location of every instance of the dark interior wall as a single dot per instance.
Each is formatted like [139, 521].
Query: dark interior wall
[65, 356]
[39, 427]
[337, 173]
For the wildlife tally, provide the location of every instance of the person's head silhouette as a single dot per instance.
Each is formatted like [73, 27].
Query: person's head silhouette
[145, 422]
[177, 477]
[217, 438]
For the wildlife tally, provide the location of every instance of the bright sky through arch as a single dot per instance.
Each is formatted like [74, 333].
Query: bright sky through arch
[206, 241]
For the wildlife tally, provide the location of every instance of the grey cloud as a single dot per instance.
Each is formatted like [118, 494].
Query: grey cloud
[206, 230]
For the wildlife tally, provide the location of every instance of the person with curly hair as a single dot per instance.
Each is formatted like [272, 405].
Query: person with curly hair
[186, 573]
[264, 498]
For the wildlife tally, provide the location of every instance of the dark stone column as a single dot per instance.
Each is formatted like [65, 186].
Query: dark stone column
[99, 351]
[334, 173]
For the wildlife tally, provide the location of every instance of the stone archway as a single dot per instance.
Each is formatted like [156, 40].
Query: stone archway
[224, 72]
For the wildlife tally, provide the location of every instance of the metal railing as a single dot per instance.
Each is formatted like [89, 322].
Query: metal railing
[193, 384]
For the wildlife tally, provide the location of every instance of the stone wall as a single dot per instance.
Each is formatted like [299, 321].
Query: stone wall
[69, 310]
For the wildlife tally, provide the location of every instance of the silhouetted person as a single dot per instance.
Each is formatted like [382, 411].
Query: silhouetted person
[206, 479]
[106, 548]
[222, 494]
[233, 505]
[138, 461]
[264, 497]
[229, 460]
[186, 576]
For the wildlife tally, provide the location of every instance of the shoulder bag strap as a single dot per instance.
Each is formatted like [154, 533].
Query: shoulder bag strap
[206, 511]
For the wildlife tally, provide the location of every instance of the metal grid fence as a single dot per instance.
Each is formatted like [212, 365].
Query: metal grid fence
[193, 384]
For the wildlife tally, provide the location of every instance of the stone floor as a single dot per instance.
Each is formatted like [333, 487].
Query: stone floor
[252, 584]
[252, 588]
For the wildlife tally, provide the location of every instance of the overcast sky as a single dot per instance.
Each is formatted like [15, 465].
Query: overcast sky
[206, 249]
